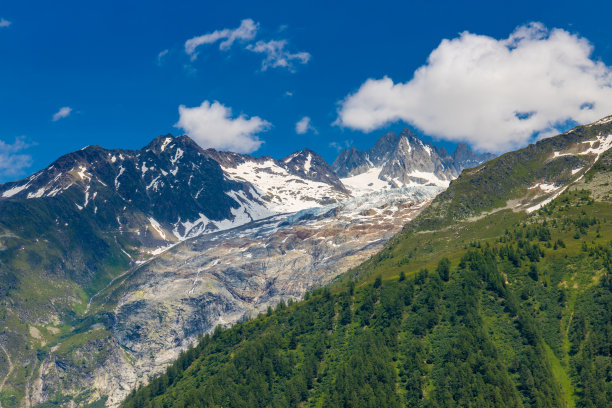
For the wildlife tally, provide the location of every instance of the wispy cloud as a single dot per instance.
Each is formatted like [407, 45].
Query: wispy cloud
[161, 55]
[12, 161]
[277, 56]
[304, 125]
[4, 23]
[212, 125]
[246, 31]
[62, 113]
[339, 146]
[493, 94]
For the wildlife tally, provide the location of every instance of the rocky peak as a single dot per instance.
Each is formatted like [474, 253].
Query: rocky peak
[351, 161]
[168, 181]
[401, 160]
[384, 147]
[465, 158]
[309, 165]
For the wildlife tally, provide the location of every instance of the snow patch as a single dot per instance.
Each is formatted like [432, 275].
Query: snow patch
[39, 193]
[548, 200]
[547, 188]
[83, 173]
[430, 177]
[154, 184]
[365, 183]
[117, 183]
[15, 190]
[177, 155]
[307, 164]
[165, 143]
[157, 227]
[605, 142]
[144, 168]
[283, 191]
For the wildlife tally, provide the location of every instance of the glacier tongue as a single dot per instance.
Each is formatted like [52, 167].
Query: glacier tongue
[220, 277]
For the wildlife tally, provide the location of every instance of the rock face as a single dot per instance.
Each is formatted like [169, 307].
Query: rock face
[399, 161]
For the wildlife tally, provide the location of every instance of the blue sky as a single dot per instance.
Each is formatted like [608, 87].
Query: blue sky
[121, 70]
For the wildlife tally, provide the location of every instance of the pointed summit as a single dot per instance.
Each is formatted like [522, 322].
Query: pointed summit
[465, 158]
[399, 161]
[309, 165]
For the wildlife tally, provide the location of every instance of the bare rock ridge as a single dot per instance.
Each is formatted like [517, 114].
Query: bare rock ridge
[402, 160]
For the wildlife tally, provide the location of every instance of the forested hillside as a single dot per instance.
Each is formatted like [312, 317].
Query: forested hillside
[509, 309]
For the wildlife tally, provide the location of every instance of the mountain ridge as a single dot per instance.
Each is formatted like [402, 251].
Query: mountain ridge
[401, 160]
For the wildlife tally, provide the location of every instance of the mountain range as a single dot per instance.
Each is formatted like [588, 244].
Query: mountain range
[497, 294]
[129, 256]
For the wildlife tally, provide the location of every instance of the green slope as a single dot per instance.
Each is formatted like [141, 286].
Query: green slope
[472, 305]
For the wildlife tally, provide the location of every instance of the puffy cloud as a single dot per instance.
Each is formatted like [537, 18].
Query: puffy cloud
[493, 94]
[62, 113]
[4, 23]
[277, 56]
[12, 162]
[212, 125]
[304, 125]
[246, 31]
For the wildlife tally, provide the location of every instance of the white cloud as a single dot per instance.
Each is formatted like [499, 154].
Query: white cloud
[4, 23]
[493, 94]
[161, 55]
[277, 56]
[212, 125]
[62, 113]
[12, 162]
[304, 125]
[246, 31]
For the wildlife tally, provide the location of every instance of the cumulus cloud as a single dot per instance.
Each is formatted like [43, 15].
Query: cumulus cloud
[4, 23]
[212, 125]
[246, 31]
[277, 56]
[62, 113]
[304, 125]
[12, 161]
[493, 94]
